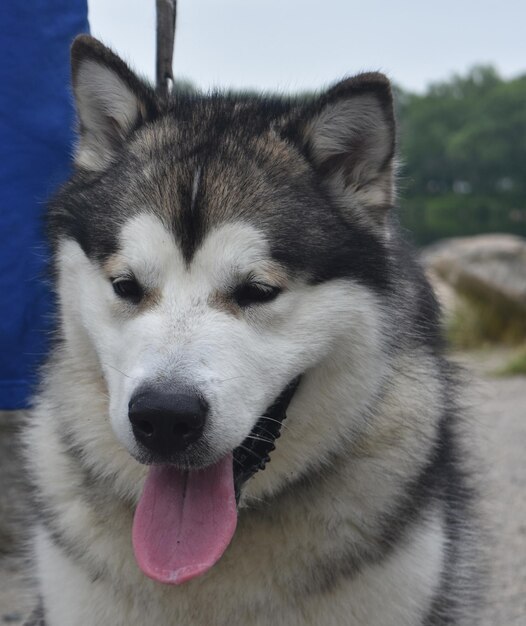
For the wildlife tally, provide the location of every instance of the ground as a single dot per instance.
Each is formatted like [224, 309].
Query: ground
[498, 410]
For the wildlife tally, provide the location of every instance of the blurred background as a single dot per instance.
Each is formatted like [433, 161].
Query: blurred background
[458, 68]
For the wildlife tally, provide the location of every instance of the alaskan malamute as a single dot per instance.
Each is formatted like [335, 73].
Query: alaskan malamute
[229, 269]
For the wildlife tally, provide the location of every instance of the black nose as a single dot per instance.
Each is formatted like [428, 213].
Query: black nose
[165, 423]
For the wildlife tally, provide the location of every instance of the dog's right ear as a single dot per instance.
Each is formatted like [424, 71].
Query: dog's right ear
[111, 102]
[349, 136]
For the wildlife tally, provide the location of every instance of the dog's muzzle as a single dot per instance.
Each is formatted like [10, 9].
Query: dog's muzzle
[166, 424]
[185, 519]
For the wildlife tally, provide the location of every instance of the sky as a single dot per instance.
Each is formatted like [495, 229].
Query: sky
[296, 45]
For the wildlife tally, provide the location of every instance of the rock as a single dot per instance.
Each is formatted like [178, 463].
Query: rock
[487, 267]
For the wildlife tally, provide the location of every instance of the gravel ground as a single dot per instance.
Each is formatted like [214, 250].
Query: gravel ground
[498, 407]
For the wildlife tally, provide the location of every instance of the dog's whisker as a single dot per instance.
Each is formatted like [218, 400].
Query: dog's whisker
[226, 380]
[271, 419]
[250, 451]
[256, 438]
[118, 370]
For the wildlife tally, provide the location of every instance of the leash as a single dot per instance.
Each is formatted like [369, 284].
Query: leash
[166, 14]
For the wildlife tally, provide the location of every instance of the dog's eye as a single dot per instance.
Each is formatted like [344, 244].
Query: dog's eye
[255, 293]
[128, 289]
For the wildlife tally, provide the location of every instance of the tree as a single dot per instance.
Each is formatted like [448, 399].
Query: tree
[463, 149]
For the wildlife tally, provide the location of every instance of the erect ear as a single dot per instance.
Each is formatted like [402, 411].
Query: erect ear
[111, 102]
[350, 138]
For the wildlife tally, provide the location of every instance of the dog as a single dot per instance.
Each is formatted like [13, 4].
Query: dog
[229, 269]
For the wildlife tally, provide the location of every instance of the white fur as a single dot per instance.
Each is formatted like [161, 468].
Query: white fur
[183, 339]
[396, 592]
[375, 413]
[107, 109]
[346, 122]
[357, 123]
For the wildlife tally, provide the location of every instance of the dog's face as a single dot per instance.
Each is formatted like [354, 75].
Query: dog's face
[212, 249]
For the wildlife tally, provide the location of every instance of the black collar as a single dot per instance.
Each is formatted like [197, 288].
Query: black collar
[254, 453]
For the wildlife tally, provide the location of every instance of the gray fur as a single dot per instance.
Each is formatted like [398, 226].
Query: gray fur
[365, 514]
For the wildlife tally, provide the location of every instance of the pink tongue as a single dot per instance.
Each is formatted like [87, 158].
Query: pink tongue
[184, 521]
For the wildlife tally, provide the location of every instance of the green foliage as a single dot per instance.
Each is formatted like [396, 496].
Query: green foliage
[435, 216]
[479, 321]
[516, 367]
[463, 149]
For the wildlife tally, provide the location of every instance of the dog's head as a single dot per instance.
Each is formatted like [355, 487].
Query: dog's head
[211, 249]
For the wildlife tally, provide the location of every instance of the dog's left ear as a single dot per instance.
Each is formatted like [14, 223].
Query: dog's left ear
[350, 137]
[111, 102]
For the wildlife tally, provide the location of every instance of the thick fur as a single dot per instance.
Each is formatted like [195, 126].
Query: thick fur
[364, 515]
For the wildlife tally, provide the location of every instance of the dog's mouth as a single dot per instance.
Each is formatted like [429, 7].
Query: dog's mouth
[185, 520]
